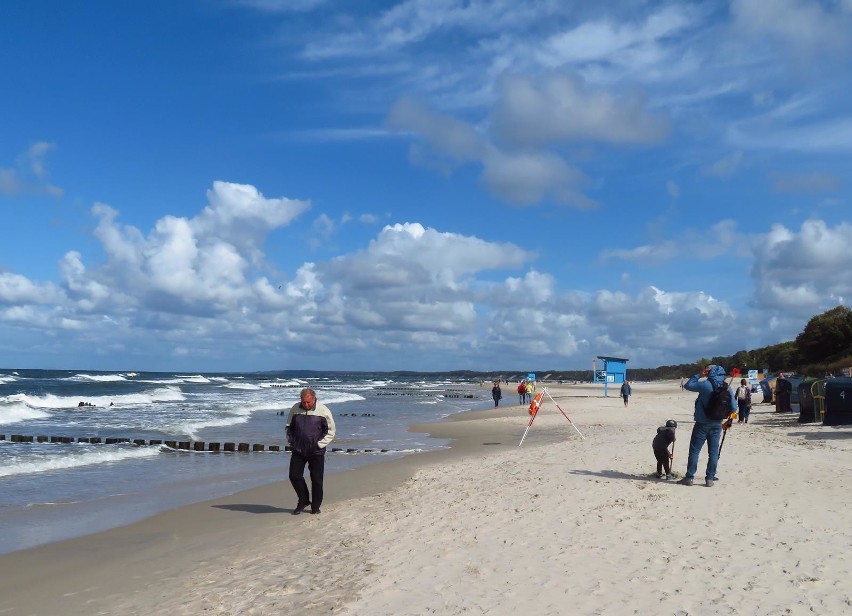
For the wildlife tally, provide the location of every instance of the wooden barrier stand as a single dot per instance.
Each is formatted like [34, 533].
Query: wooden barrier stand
[199, 446]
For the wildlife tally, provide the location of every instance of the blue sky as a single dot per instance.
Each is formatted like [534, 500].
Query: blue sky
[423, 185]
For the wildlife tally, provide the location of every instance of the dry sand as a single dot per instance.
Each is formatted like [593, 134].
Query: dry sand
[561, 525]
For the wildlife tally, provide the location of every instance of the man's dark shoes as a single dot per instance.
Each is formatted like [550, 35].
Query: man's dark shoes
[300, 508]
[315, 511]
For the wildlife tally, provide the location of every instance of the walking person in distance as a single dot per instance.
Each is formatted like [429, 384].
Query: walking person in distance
[743, 401]
[626, 392]
[496, 393]
[522, 392]
[310, 429]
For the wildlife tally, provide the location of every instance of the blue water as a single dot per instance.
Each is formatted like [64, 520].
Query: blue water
[53, 491]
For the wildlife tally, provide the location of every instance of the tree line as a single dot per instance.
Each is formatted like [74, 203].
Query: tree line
[823, 347]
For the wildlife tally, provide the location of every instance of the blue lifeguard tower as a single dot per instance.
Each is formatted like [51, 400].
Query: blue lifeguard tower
[614, 371]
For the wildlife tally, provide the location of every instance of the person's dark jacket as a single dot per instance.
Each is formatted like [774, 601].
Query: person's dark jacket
[310, 432]
[665, 437]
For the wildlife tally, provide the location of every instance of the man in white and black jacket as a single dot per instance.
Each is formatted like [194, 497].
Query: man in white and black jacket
[310, 429]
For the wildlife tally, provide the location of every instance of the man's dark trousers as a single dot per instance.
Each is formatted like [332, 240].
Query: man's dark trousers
[316, 467]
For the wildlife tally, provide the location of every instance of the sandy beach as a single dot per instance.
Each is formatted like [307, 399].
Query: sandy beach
[561, 525]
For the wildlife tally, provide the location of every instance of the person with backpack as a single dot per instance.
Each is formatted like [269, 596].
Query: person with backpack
[714, 403]
[626, 391]
[522, 392]
[743, 401]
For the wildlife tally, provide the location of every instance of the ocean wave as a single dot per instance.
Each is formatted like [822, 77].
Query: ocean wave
[14, 412]
[283, 383]
[194, 378]
[51, 401]
[245, 386]
[52, 462]
[192, 428]
[7, 378]
[100, 378]
[337, 397]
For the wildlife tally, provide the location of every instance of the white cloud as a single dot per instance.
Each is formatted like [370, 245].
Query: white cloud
[16, 289]
[522, 178]
[448, 136]
[530, 178]
[803, 26]
[412, 287]
[612, 42]
[559, 108]
[803, 272]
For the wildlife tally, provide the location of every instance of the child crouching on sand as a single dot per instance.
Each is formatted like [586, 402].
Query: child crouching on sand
[665, 437]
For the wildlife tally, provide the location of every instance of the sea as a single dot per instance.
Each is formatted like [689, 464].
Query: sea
[51, 491]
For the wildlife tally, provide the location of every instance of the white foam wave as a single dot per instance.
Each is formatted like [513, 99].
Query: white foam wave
[100, 378]
[15, 412]
[192, 428]
[245, 386]
[55, 463]
[50, 401]
[337, 397]
[195, 378]
[7, 378]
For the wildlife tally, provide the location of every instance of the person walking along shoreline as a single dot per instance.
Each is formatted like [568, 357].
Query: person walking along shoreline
[310, 429]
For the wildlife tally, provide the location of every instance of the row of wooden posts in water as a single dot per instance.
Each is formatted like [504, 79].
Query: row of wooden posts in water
[178, 445]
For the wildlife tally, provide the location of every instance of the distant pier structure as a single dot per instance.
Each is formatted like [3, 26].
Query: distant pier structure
[613, 370]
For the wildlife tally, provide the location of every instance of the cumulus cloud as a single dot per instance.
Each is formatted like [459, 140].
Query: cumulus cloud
[803, 272]
[197, 286]
[16, 289]
[183, 286]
